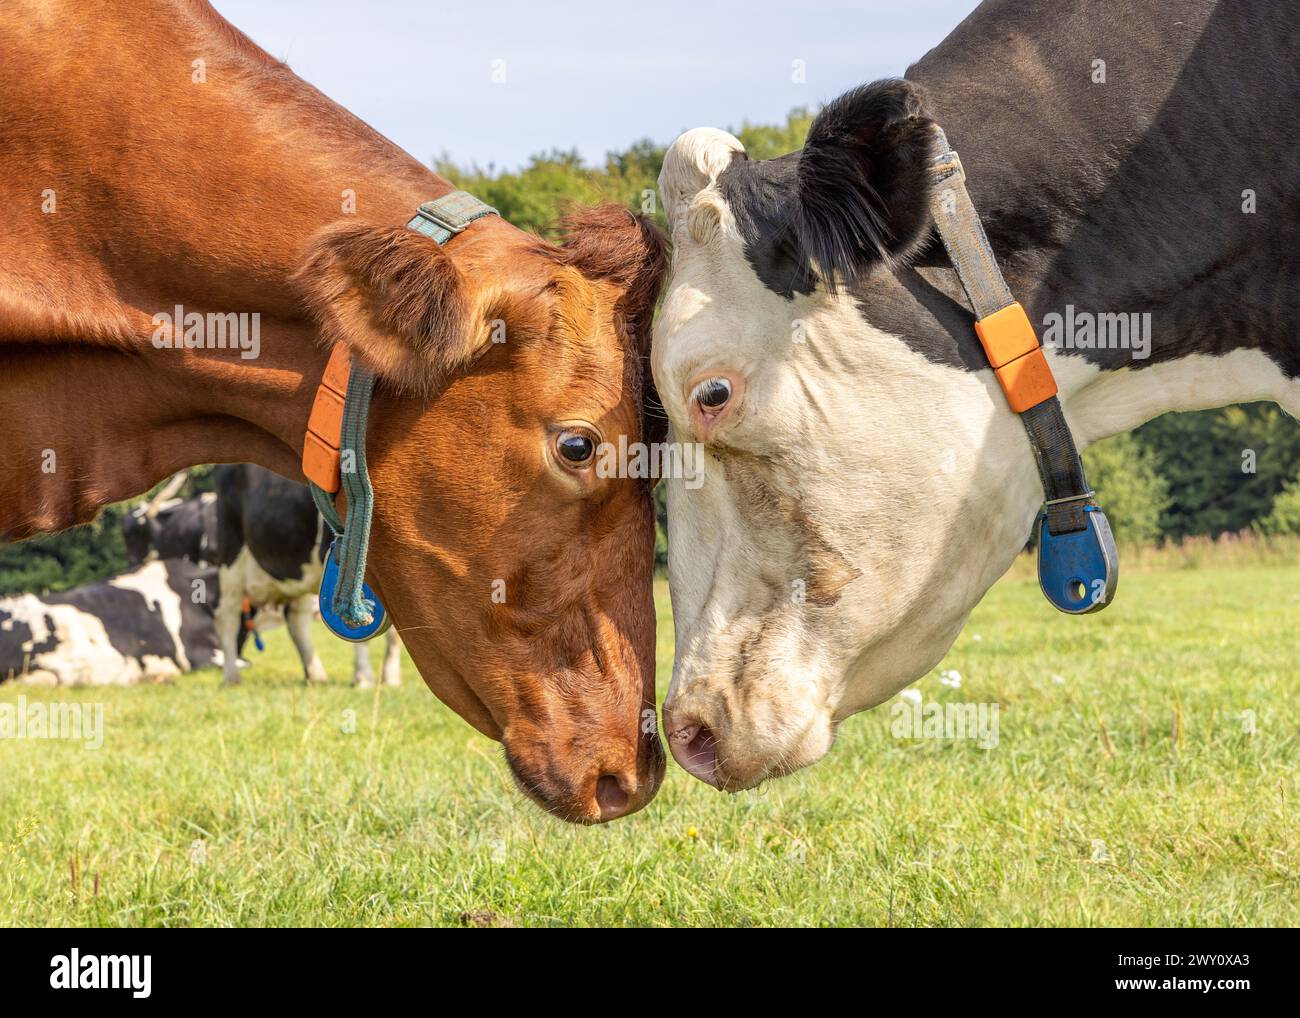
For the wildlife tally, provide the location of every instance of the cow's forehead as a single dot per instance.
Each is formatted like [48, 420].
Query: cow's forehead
[760, 195]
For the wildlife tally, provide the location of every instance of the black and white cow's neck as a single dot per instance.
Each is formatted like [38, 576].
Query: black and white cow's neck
[1121, 188]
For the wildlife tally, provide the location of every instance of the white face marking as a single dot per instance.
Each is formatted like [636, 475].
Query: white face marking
[858, 499]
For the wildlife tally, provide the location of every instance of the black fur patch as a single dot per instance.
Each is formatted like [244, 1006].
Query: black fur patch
[759, 196]
[14, 636]
[187, 530]
[1111, 199]
[857, 194]
[134, 626]
[275, 517]
[198, 632]
[863, 192]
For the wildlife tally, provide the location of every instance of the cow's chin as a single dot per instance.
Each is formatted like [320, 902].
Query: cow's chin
[778, 714]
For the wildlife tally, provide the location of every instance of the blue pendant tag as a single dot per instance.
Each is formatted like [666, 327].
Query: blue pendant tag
[1078, 572]
[358, 634]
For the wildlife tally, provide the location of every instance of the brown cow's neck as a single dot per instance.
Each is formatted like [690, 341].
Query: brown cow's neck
[169, 190]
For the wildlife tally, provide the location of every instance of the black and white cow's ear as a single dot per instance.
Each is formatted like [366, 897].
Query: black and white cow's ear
[864, 180]
[692, 163]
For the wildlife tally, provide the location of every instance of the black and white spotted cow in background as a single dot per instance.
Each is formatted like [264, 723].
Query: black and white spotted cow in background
[167, 527]
[152, 623]
[173, 529]
[271, 543]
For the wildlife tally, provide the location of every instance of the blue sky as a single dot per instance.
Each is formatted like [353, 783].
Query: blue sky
[585, 75]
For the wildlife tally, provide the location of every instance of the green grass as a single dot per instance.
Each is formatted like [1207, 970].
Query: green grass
[1122, 792]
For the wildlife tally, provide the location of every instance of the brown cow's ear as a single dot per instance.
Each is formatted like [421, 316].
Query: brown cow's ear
[611, 243]
[864, 180]
[394, 298]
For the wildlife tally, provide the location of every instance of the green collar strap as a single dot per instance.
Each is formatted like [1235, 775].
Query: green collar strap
[334, 454]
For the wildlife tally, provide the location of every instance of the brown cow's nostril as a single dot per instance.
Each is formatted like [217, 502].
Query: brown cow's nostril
[610, 797]
[606, 793]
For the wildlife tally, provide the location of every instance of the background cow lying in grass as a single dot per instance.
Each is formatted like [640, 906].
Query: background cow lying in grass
[270, 545]
[152, 623]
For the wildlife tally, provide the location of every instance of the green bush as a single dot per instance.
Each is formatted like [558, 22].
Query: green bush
[1284, 517]
[1224, 467]
[68, 559]
[1129, 488]
[85, 554]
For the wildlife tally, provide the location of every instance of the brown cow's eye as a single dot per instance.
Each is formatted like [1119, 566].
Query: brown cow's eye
[575, 448]
[713, 393]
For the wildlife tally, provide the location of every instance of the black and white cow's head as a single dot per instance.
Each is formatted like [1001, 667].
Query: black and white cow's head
[862, 489]
[172, 529]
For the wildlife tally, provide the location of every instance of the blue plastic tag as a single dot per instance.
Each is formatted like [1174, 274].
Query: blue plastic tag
[1078, 572]
[359, 634]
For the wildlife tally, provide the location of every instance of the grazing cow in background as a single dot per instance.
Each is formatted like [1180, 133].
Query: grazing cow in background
[271, 543]
[174, 529]
[153, 622]
[166, 527]
[866, 481]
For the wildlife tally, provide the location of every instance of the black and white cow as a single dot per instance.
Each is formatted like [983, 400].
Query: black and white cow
[271, 542]
[153, 622]
[1137, 168]
[174, 529]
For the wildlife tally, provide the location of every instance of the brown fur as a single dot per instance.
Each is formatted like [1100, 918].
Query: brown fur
[224, 196]
[609, 242]
[394, 298]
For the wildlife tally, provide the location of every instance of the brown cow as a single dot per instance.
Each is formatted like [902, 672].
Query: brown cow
[152, 156]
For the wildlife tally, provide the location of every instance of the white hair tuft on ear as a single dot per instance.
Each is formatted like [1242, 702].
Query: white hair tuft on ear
[691, 164]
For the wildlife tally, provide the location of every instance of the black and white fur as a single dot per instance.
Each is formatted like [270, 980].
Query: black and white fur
[868, 483]
[271, 543]
[175, 529]
[151, 623]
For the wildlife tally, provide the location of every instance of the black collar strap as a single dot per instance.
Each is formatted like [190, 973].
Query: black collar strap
[1078, 565]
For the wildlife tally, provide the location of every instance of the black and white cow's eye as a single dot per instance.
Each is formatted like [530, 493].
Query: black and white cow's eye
[575, 448]
[712, 393]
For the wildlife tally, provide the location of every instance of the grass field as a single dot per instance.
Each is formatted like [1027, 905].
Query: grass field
[1125, 789]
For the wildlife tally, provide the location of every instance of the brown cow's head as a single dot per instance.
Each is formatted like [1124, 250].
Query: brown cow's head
[519, 578]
